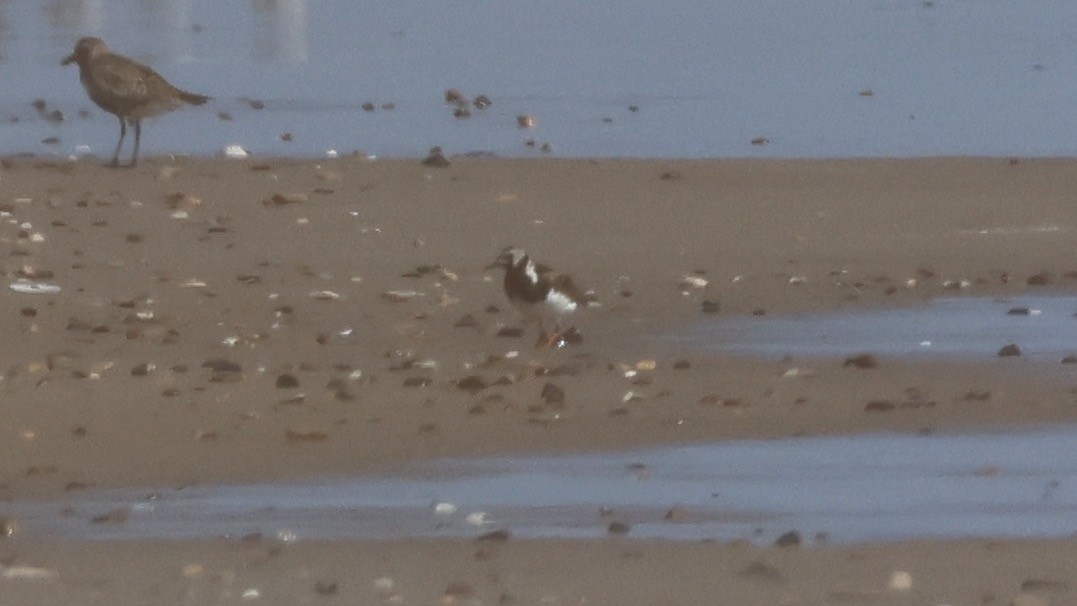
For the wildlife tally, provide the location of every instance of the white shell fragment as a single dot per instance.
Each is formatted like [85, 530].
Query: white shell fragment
[324, 295]
[399, 296]
[444, 509]
[34, 288]
[28, 572]
[235, 152]
[797, 372]
[477, 518]
[693, 282]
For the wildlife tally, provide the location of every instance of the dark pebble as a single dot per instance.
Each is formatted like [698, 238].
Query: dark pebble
[221, 365]
[437, 160]
[472, 384]
[1010, 351]
[287, 381]
[861, 361]
[711, 307]
[618, 528]
[1041, 279]
[552, 394]
[789, 539]
[418, 382]
[467, 321]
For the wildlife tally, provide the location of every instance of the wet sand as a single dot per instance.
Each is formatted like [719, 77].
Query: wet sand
[611, 572]
[240, 321]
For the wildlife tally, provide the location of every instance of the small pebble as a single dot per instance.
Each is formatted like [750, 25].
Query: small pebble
[789, 539]
[1010, 351]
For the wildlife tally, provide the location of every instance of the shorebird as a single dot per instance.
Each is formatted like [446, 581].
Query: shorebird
[125, 88]
[540, 294]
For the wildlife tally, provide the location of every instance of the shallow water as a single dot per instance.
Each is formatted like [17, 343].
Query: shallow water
[817, 78]
[1045, 329]
[850, 489]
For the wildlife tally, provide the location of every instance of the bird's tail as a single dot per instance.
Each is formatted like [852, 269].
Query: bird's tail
[192, 98]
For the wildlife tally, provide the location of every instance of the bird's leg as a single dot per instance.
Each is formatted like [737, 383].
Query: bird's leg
[123, 132]
[138, 139]
[549, 340]
[545, 341]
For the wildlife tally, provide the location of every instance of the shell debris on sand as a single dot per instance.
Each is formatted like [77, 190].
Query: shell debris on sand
[28, 572]
[235, 151]
[34, 288]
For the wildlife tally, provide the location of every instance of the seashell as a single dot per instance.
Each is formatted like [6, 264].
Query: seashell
[444, 509]
[34, 288]
[285, 199]
[693, 282]
[235, 152]
[477, 518]
[797, 372]
[399, 296]
[324, 295]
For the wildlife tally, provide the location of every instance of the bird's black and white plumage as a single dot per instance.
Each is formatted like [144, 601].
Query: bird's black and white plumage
[540, 294]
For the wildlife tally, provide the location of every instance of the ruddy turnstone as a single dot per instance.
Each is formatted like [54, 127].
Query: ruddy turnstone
[125, 88]
[540, 294]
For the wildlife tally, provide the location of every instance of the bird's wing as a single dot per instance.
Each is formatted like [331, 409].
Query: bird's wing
[125, 81]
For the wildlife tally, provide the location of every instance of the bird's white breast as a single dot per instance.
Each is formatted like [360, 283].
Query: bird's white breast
[560, 302]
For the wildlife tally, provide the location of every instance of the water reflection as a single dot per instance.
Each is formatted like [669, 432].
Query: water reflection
[766, 78]
[86, 15]
[852, 488]
[281, 35]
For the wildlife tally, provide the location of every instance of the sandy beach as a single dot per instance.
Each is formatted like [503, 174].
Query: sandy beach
[239, 321]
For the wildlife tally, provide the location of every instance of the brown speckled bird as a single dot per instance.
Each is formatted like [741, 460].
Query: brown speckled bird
[125, 88]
